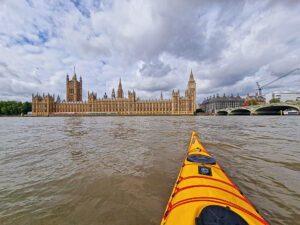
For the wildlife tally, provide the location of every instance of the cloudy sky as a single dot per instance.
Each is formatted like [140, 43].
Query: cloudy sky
[151, 44]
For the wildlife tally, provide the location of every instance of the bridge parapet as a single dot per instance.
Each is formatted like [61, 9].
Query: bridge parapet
[267, 109]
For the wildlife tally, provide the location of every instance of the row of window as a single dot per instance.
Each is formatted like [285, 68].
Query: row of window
[110, 108]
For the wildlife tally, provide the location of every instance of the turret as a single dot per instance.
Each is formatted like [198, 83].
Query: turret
[120, 93]
[131, 96]
[113, 95]
[92, 97]
[175, 101]
[58, 99]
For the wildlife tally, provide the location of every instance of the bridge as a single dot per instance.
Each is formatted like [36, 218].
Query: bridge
[267, 109]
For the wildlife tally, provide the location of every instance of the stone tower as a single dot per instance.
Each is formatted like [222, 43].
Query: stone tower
[175, 102]
[131, 96]
[191, 91]
[73, 89]
[120, 93]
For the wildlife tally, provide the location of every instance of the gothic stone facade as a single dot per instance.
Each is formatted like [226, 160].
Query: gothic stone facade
[46, 105]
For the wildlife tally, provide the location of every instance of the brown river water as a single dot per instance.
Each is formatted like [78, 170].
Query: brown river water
[121, 170]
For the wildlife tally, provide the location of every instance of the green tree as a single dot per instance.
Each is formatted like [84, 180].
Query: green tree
[274, 100]
[14, 108]
[27, 107]
[251, 102]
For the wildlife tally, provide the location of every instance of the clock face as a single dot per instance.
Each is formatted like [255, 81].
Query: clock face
[192, 85]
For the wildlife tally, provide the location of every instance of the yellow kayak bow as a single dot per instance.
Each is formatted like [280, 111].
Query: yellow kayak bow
[204, 195]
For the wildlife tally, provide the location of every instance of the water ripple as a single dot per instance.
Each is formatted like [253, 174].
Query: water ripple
[121, 170]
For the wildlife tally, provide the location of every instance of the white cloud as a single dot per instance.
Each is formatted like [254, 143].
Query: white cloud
[151, 45]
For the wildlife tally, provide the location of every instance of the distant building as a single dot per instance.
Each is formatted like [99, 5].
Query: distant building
[210, 105]
[284, 96]
[45, 105]
[259, 99]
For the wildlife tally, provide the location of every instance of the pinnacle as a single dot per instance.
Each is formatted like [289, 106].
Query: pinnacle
[191, 76]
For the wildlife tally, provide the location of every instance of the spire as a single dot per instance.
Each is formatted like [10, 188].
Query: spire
[58, 99]
[120, 84]
[191, 76]
[74, 76]
[161, 96]
[120, 93]
[113, 93]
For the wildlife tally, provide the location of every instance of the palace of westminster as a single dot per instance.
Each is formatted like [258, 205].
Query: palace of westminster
[118, 104]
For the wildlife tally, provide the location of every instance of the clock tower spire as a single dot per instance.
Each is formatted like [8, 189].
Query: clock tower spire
[192, 90]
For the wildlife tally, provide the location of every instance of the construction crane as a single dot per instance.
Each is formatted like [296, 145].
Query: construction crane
[259, 88]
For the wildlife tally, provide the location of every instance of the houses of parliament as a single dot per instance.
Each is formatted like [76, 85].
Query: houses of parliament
[117, 104]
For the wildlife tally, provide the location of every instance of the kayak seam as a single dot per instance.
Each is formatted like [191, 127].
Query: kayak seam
[177, 190]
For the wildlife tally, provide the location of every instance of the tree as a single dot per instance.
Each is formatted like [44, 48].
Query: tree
[251, 102]
[14, 108]
[26, 107]
[274, 100]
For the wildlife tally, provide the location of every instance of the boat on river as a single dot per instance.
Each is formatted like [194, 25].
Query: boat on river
[204, 195]
[290, 112]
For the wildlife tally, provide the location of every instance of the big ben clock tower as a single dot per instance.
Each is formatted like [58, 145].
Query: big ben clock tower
[192, 89]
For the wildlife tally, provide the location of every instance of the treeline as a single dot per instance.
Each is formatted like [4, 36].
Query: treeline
[14, 108]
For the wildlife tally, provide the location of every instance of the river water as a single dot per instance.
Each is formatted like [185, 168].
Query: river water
[121, 170]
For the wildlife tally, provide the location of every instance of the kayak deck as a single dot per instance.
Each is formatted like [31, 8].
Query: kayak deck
[204, 194]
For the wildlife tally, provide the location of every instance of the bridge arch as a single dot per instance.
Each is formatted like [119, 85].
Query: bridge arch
[240, 111]
[274, 109]
[222, 113]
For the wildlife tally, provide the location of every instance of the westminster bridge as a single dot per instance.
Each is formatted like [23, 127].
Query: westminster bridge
[267, 109]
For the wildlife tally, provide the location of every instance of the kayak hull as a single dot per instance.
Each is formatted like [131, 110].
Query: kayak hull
[201, 187]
